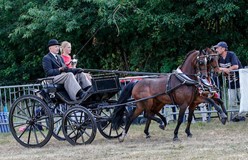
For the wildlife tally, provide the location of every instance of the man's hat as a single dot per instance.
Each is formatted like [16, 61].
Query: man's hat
[52, 42]
[221, 44]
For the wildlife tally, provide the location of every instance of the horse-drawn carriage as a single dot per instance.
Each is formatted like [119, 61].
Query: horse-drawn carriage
[35, 118]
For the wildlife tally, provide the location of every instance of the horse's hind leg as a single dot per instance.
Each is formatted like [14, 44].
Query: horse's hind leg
[148, 122]
[129, 121]
[146, 131]
[179, 121]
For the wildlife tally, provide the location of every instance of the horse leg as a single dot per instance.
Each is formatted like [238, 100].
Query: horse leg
[223, 116]
[148, 122]
[164, 121]
[179, 121]
[159, 120]
[146, 131]
[190, 117]
[221, 103]
[129, 121]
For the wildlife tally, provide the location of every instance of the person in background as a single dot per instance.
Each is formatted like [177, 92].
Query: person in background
[229, 64]
[54, 66]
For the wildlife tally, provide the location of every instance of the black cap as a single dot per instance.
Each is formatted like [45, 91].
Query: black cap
[52, 42]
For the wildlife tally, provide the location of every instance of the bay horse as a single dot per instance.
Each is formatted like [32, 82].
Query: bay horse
[180, 88]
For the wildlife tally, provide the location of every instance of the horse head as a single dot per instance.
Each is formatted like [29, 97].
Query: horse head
[212, 59]
[199, 64]
[195, 64]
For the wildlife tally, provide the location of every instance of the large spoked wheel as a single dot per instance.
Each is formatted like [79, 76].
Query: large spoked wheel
[58, 112]
[104, 123]
[79, 126]
[30, 121]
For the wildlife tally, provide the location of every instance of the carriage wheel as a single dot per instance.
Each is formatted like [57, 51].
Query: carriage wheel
[58, 112]
[79, 126]
[30, 121]
[104, 124]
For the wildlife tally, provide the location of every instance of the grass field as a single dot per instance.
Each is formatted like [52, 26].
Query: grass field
[210, 141]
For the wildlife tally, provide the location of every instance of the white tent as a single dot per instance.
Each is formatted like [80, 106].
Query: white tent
[243, 74]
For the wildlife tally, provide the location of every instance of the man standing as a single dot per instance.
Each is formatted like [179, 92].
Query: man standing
[229, 64]
[54, 67]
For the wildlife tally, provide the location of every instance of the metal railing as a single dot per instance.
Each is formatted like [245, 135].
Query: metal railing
[9, 94]
[230, 92]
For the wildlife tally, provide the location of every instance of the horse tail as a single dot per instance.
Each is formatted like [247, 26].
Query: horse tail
[118, 114]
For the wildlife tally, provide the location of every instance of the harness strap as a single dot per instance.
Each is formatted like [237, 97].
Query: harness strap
[206, 83]
[169, 91]
[184, 78]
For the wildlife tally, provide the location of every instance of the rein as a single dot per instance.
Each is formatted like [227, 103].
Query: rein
[143, 99]
[185, 80]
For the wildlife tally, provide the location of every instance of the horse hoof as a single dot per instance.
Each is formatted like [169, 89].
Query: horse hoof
[122, 137]
[121, 140]
[176, 139]
[161, 126]
[148, 136]
[223, 120]
[190, 135]
[223, 115]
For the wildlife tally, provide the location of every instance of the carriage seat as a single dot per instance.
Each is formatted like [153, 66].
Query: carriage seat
[57, 86]
[55, 91]
[49, 86]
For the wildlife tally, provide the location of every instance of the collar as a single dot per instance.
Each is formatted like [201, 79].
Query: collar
[55, 55]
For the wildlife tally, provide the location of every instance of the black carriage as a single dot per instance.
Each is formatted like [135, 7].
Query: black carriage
[34, 119]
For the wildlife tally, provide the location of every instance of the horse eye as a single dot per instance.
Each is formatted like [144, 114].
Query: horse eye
[201, 62]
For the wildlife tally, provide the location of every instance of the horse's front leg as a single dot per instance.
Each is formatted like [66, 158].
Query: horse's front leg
[190, 117]
[179, 121]
[162, 125]
[221, 103]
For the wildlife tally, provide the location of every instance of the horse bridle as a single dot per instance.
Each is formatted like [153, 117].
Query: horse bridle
[201, 60]
[205, 59]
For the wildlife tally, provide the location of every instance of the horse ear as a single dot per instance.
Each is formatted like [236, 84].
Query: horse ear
[204, 52]
[213, 49]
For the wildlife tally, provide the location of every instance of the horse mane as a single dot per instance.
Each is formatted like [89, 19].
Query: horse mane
[188, 54]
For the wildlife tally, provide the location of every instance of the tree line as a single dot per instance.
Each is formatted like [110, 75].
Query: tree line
[132, 35]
